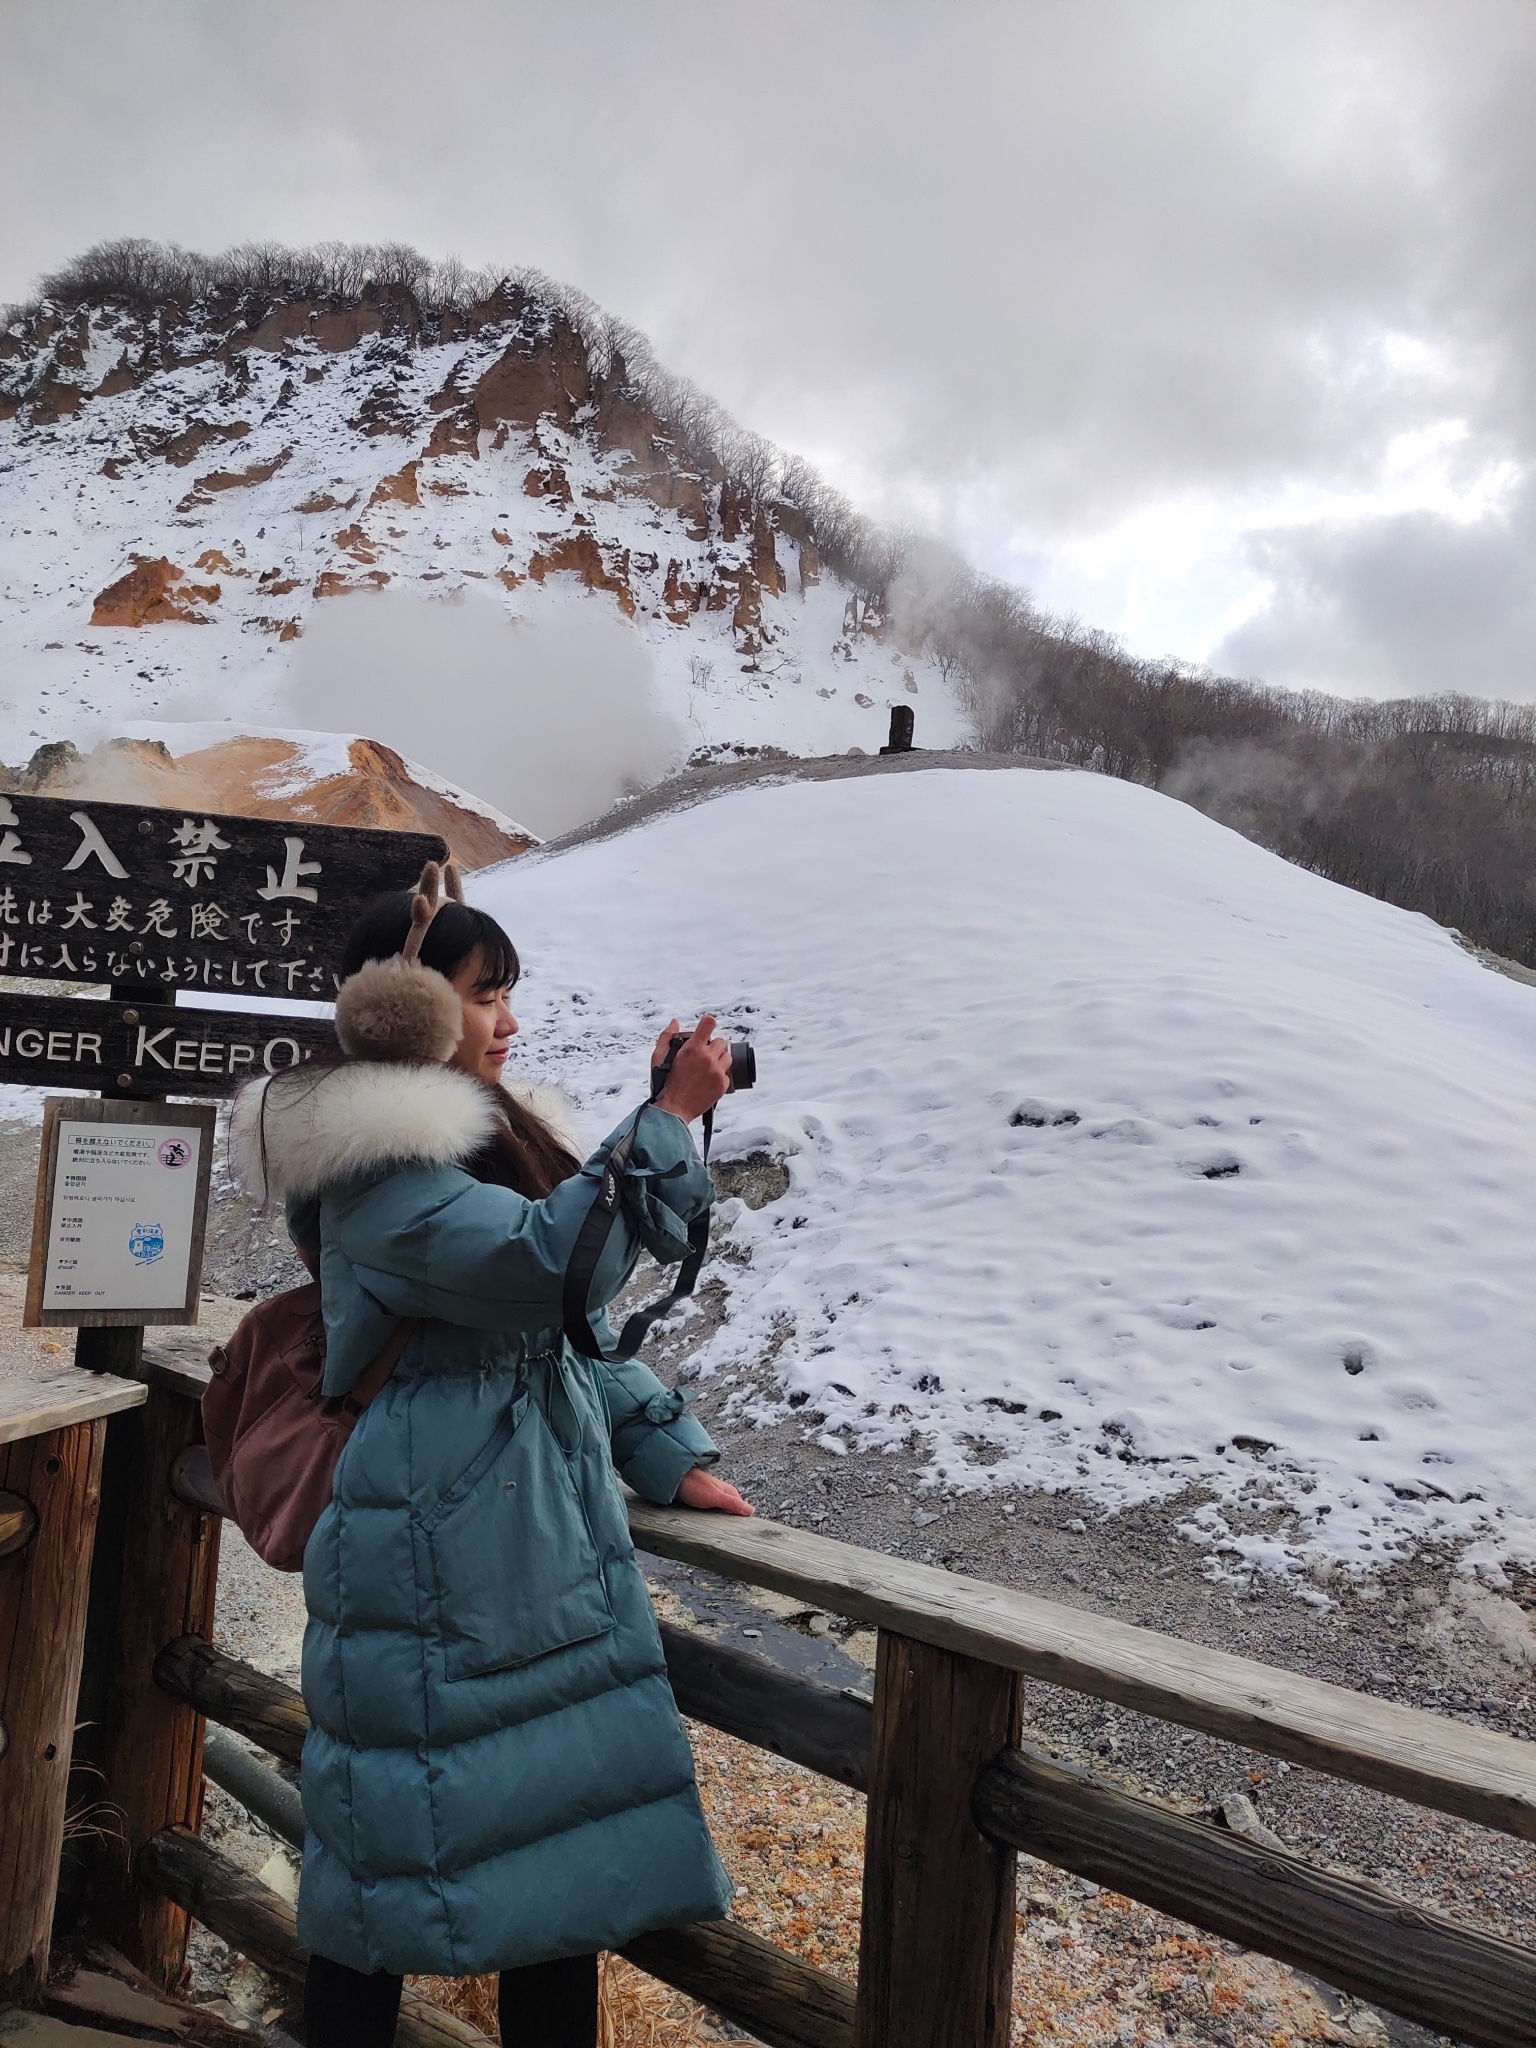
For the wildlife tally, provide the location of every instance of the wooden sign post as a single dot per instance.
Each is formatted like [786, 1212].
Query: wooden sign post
[202, 933]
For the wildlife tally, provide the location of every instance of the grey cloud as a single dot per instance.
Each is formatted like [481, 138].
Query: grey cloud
[1066, 261]
[1398, 606]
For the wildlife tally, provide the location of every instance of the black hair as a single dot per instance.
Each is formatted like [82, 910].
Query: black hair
[522, 1153]
[454, 934]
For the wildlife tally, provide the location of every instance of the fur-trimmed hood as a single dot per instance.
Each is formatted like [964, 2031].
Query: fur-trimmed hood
[313, 1132]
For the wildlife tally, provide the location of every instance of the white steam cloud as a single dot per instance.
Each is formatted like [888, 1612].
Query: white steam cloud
[552, 719]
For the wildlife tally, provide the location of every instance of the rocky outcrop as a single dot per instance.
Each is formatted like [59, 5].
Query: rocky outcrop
[337, 583]
[154, 593]
[520, 375]
[399, 489]
[580, 555]
[240, 479]
[272, 776]
[186, 446]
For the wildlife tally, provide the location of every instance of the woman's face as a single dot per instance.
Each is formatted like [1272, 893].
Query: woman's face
[488, 1023]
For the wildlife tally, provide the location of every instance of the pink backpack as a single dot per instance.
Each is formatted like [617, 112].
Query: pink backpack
[273, 1438]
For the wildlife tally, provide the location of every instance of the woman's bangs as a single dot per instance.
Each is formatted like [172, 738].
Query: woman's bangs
[499, 964]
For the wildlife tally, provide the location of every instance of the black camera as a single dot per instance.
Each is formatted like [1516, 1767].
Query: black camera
[743, 1064]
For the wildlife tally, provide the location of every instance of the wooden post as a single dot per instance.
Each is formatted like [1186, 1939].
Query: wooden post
[153, 1754]
[43, 1588]
[936, 1952]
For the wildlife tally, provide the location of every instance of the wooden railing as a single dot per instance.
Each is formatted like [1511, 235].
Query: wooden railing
[953, 1794]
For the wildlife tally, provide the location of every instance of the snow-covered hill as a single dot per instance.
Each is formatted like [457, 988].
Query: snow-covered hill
[180, 490]
[1123, 1155]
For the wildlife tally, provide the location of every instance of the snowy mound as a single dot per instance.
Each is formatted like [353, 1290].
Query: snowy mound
[1123, 1156]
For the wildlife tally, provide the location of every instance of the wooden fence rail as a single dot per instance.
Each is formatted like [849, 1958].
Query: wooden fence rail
[953, 1796]
[1418, 1756]
[1354, 1935]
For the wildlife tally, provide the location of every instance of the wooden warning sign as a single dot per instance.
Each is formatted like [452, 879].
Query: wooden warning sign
[154, 903]
[164, 900]
[63, 1042]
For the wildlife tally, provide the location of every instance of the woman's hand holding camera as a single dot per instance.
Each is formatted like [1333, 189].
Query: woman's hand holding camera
[700, 1073]
[701, 1070]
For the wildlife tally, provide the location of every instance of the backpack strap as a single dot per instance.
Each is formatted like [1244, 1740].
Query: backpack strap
[373, 1380]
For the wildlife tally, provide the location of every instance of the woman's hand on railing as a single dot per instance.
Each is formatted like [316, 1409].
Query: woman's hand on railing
[701, 1489]
[701, 1072]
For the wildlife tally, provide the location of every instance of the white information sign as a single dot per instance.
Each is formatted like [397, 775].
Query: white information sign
[124, 1210]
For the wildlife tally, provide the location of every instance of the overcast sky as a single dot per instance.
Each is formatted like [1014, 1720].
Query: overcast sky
[1209, 321]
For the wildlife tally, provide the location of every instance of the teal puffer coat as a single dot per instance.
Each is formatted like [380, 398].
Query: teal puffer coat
[496, 1773]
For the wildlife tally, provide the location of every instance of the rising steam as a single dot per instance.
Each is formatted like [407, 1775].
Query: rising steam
[551, 719]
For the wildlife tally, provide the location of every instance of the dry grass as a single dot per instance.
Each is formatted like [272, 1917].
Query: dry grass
[1092, 1968]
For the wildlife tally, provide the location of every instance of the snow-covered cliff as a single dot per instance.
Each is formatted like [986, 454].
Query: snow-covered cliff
[182, 486]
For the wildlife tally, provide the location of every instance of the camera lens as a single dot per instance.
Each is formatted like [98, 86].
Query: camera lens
[743, 1065]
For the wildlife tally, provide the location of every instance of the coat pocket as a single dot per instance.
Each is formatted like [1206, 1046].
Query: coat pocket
[517, 1572]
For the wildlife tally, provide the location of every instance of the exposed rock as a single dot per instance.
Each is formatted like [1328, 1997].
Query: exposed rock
[357, 543]
[399, 488]
[154, 593]
[336, 582]
[330, 327]
[184, 447]
[579, 554]
[237, 479]
[679, 599]
[765, 555]
[383, 412]
[121, 377]
[549, 482]
[542, 372]
[268, 776]
[456, 433]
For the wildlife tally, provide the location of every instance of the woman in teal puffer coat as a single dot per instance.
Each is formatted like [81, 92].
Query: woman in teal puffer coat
[496, 1777]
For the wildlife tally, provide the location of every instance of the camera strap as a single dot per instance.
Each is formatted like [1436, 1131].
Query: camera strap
[581, 1269]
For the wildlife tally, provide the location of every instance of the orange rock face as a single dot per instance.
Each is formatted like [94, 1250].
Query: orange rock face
[579, 554]
[154, 593]
[248, 777]
[538, 375]
[551, 482]
[679, 600]
[400, 488]
[333, 327]
[357, 543]
[456, 433]
[237, 479]
[336, 583]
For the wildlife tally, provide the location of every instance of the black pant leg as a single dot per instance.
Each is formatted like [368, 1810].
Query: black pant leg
[343, 2008]
[550, 2005]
